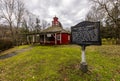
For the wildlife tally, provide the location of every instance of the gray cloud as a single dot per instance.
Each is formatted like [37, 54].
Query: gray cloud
[69, 12]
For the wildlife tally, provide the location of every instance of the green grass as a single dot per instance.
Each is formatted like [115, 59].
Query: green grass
[61, 63]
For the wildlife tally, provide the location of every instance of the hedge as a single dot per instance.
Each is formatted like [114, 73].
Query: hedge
[5, 44]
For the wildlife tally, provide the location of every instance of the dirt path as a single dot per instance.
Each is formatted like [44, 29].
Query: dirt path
[15, 53]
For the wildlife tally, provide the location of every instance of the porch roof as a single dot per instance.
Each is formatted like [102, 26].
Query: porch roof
[54, 29]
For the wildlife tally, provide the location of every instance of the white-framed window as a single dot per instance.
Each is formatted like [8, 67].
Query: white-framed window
[49, 35]
[58, 37]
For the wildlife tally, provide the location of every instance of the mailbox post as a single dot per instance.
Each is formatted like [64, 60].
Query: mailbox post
[84, 34]
[83, 54]
[83, 64]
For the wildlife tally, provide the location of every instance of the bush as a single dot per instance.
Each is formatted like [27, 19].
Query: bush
[108, 41]
[5, 44]
[118, 41]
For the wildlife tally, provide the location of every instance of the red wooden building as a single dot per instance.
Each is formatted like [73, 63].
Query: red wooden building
[55, 35]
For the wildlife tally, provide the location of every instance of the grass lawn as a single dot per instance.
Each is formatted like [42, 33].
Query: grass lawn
[61, 63]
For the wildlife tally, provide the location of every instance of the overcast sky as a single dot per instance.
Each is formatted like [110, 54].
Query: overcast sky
[69, 12]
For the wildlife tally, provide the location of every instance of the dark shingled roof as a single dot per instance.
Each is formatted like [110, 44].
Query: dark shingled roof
[54, 29]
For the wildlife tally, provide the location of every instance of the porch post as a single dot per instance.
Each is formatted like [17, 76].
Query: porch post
[33, 38]
[55, 39]
[44, 39]
[28, 39]
[60, 38]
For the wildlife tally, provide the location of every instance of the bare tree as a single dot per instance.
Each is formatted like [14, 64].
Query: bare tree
[12, 11]
[95, 14]
[30, 20]
[109, 13]
[37, 27]
[19, 12]
[111, 9]
[7, 12]
[44, 24]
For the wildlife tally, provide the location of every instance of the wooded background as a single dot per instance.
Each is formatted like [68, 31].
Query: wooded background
[17, 20]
